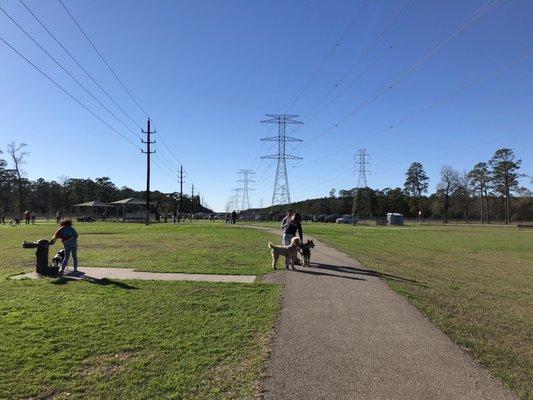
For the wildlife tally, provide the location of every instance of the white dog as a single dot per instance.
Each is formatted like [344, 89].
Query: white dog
[289, 252]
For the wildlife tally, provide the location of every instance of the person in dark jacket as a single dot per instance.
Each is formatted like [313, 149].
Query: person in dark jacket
[294, 226]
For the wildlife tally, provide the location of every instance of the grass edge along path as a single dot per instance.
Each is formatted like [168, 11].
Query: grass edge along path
[478, 286]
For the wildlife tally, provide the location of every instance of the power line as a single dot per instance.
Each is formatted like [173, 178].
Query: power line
[467, 86]
[468, 22]
[327, 57]
[68, 93]
[65, 70]
[363, 53]
[79, 65]
[102, 58]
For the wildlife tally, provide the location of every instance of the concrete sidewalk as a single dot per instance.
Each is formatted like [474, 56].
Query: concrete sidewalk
[343, 334]
[129, 273]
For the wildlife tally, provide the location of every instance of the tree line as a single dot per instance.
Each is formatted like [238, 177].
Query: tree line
[43, 197]
[490, 191]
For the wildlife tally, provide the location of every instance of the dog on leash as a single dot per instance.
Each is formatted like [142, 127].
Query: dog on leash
[57, 261]
[289, 252]
[305, 249]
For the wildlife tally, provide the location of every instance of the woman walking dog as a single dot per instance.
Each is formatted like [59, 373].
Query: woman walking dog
[69, 237]
[293, 226]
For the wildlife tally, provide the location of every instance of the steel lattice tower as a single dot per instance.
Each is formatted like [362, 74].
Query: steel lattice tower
[245, 205]
[235, 198]
[361, 164]
[360, 167]
[281, 194]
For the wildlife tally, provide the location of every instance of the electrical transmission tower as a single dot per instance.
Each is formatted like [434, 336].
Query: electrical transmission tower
[361, 165]
[281, 194]
[235, 198]
[245, 205]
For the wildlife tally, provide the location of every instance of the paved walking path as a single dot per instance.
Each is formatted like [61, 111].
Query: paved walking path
[129, 273]
[343, 334]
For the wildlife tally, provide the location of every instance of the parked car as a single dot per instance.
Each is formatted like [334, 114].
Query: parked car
[319, 218]
[347, 219]
[331, 218]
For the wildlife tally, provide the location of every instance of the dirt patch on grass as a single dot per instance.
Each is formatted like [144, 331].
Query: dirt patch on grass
[106, 365]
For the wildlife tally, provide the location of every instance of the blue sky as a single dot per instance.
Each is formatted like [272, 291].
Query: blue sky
[208, 71]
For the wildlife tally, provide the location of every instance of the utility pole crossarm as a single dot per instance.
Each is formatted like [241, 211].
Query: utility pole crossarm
[277, 157]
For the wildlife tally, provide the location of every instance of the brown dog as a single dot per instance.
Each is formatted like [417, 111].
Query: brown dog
[289, 252]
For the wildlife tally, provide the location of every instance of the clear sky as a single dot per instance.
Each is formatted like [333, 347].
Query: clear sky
[448, 82]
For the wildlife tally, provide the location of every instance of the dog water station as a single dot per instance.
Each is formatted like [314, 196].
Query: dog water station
[41, 254]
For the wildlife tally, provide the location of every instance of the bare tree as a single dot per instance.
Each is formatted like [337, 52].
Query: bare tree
[18, 155]
[449, 181]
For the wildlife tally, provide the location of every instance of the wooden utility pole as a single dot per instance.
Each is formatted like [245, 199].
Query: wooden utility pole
[181, 189]
[192, 199]
[148, 142]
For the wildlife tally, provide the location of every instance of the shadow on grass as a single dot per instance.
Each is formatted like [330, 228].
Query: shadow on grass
[63, 280]
[369, 272]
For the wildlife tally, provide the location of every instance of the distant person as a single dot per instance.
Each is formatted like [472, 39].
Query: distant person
[2, 217]
[33, 219]
[58, 217]
[233, 217]
[174, 216]
[227, 218]
[69, 238]
[27, 216]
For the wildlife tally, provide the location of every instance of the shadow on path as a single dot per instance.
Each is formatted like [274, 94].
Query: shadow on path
[363, 271]
[313, 271]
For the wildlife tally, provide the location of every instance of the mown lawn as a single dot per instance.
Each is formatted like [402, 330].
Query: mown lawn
[478, 285]
[196, 248]
[65, 339]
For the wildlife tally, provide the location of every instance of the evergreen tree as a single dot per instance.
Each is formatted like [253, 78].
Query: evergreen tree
[416, 183]
[504, 173]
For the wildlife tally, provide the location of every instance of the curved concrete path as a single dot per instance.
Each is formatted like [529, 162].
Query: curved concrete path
[344, 334]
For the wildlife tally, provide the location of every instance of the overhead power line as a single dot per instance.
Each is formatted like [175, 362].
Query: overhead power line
[81, 66]
[66, 71]
[68, 93]
[326, 58]
[482, 10]
[362, 54]
[103, 59]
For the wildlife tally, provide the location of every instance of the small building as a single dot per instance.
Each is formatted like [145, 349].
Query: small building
[395, 219]
[133, 209]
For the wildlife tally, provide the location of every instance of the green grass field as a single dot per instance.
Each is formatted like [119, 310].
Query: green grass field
[196, 248]
[477, 285]
[137, 339]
